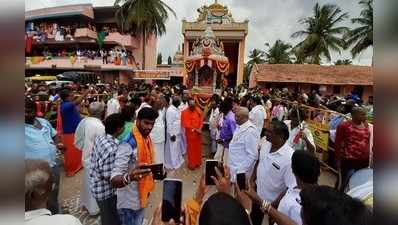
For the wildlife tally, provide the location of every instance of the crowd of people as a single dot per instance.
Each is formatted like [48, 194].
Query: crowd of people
[117, 55]
[43, 31]
[261, 133]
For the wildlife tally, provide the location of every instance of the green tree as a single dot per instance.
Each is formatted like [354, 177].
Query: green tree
[361, 37]
[343, 62]
[321, 33]
[256, 57]
[169, 60]
[246, 73]
[142, 18]
[159, 59]
[279, 53]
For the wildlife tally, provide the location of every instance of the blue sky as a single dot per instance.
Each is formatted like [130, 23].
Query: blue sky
[269, 20]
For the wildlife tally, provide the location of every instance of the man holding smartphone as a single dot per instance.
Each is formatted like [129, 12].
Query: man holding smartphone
[134, 183]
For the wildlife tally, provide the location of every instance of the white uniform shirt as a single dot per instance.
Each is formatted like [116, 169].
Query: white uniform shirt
[290, 205]
[44, 217]
[274, 171]
[243, 150]
[257, 116]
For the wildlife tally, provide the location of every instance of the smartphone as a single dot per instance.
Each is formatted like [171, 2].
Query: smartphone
[156, 169]
[171, 201]
[211, 171]
[241, 180]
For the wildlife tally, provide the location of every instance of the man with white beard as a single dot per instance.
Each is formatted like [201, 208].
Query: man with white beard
[173, 157]
[86, 132]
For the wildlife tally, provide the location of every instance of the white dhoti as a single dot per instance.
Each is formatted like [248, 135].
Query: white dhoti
[158, 136]
[183, 142]
[219, 153]
[159, 152]
[86, 132]
[173, 158]
[86, 198]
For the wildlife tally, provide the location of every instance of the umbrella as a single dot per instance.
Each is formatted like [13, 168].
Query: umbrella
[69, 75]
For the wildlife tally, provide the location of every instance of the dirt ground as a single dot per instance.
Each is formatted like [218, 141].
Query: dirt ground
[70, 190]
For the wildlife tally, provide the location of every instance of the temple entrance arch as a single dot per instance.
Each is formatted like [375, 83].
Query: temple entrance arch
[230, 33]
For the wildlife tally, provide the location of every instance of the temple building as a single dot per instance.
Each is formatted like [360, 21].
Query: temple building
[329, 80]
[230, 34]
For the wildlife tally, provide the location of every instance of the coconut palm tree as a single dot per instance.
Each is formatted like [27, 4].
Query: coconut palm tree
[256, 57]
[279, 53]
[142, 18]
[362, 37]
[322, 33]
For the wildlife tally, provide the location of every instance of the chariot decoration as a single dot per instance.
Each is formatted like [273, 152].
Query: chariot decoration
[207, 65]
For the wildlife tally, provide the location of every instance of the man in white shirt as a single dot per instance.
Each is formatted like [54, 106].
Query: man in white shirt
[86, 132]
[306, 169]
[173, 157]
[273, 173]
[214, 119]
[257, 113]
[113, 105]
[243, 146]
[158, 133]
[148, 102]
[38, 185]
[300, 137]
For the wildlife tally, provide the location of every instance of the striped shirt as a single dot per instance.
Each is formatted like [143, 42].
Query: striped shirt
[101, 165]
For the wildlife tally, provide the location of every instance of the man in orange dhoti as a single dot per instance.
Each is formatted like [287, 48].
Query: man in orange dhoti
[67, 121]
[191, 120]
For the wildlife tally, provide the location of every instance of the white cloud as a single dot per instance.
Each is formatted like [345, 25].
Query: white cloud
[269, 20]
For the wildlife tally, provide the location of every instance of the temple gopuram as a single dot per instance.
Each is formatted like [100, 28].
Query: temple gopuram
[213, 49]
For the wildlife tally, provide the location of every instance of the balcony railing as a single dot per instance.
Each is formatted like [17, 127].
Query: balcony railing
[39, 62]
[85, 32]
[123, 40]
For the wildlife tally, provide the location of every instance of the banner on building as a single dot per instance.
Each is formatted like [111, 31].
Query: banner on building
[156, 74]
